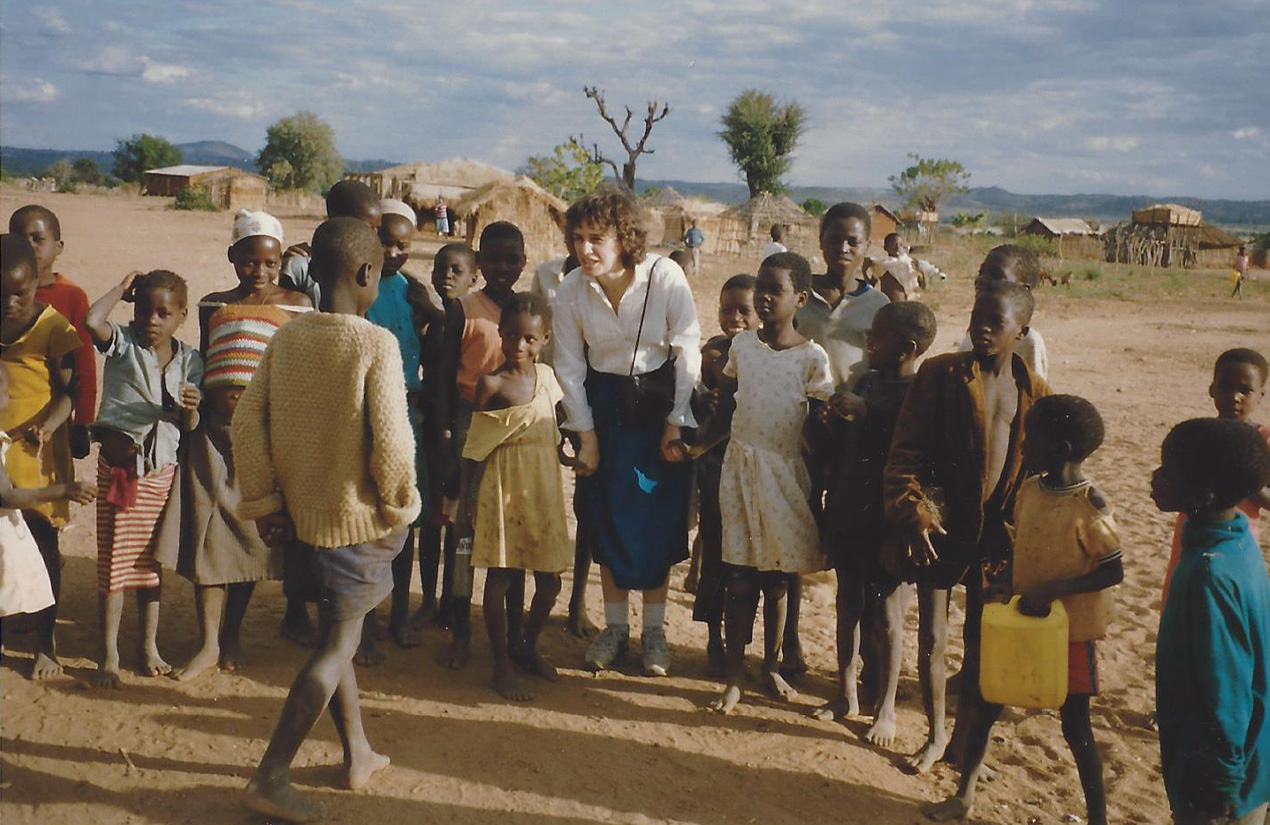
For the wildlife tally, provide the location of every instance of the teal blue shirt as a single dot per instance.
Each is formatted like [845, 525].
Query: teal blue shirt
[1212, 685]
[392, 312]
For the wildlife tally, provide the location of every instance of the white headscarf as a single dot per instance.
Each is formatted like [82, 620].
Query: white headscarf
[249, 224]
[392, 206]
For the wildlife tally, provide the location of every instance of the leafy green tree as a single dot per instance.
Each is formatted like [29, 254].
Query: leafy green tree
[761, 134]
[929, 182]
[61, 171]
[299, 153]
[968, 220]
[569, 171]
[134, 155]
[85, 170]
[814, 207]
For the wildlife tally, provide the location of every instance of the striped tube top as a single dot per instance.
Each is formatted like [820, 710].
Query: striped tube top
[237, 335]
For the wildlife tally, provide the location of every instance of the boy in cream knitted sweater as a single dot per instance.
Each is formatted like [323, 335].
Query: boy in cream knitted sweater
[318, 445]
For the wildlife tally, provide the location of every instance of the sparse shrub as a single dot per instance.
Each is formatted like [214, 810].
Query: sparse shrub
[1091, 274]
[194, 199]
[814, 207]
[1042, 246]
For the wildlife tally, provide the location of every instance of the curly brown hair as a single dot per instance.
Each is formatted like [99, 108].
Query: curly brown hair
[615, 208]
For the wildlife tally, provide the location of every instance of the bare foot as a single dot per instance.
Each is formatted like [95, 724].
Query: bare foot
[793, 664]
[195, 667]
[375, 626]
[280, 802]
[947, 811]
[300, 629]
[232, 657]
[152, 664]
[838, 708]
[424, 616]
[106, 677]
[46, 666]
[533, 662]
[727, 700]
[778, 687]
[405, 634]
[455, 657]
[581, 626]
[369, 653]
[509, 687]
[362, 767]
[930, 753]
[882, 733]
[716, 659]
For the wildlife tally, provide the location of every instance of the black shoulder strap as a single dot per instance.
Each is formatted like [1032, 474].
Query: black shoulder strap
[642, 314]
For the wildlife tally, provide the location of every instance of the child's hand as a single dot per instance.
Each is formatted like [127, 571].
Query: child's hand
[35, 434]
[673, 448]
[301, 249]
[1036, 600]
[846, 405]
[275, 529]
[191, 397]
[588, 454]
[128, 296]
[80, 492]
[920, 548]
[998, 591]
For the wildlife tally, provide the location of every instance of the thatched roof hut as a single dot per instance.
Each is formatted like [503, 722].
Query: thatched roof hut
[748, 224]
[420, 184]
[538, 213]
[882, 222]
[1074, 237]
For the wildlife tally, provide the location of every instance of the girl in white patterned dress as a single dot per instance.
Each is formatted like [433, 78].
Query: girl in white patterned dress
[768, 528]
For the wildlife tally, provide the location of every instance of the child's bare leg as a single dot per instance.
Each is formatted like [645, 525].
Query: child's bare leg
[369, 653]
[1080, 738]
[890, 624]
[399, 626]
[849, 604]
[979, 727]
[446, 608]
[546, 590]
[741, 607]
[792, 662]
[515, 599]
[109, 617]
[152, 663]
[46, 665]
[693, 578]
[460, 613]
[429, 569]
[237, 598]
[269, 791]
[209, 605]
[360, 759]
[932, 671]
[297, 625]
[497, 582]
[579, 623]
[774, 593]
[968, 697]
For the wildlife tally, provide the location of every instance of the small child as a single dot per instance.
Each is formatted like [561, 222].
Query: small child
[453, 273]
[768, 527]
[150, 396]
[1212, 657]
[736, 315]
[38, 347]
[501, 260]
[1240, 271]
[1016, 264]
[856, 532]
[681, 257]
[24, 582]
[43, 231]
[321, 461]
[957, 439]
[346, 199]
[511, 451]
[1239, 384]
[1065, 548]
[201, 535]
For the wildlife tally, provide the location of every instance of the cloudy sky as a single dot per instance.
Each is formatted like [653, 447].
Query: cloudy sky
[1158, 97]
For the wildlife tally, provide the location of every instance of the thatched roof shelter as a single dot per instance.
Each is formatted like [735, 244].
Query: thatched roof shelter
[420, 184]
[748, 224]
[663, 198]
[1058, 227]
[538, 213]
[1167, 214]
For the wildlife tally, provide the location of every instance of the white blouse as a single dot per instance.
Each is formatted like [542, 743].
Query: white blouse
[585, 327]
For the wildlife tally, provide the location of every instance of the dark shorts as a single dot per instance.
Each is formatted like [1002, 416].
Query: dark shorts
[1082, 669]
[348, 581]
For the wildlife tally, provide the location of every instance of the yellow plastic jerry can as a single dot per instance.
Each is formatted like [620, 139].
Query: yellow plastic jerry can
[1023, 659]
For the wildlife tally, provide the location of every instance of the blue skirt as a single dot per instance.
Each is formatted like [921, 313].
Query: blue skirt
[637, 504]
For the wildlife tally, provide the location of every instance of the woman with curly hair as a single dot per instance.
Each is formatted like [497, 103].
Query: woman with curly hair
[628, 353]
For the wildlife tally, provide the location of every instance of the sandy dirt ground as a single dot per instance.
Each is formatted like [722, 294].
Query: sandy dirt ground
[615, 747]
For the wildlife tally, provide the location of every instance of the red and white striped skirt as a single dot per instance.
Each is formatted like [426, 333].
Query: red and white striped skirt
[125, 537]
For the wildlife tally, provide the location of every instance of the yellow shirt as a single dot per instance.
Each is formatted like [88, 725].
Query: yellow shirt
[30, 389]
[1061, 534]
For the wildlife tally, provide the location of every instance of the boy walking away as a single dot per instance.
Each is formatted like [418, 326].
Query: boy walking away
[1212, 657]
[694, 238]
[777, 244]
[322, 462]
[950, 481]
[1065, 548]
[1241, 273]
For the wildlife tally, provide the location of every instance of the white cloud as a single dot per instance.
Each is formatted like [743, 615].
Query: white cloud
[53, 23]
[1246, 133]
[1105, 143]
[156, 72]
[33, 90]
[123, 62]
[232, 104]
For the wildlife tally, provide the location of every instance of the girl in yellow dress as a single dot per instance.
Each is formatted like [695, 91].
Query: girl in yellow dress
[513, 509]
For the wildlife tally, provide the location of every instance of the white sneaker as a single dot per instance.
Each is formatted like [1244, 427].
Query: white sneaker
[607, 647]
[656, 653]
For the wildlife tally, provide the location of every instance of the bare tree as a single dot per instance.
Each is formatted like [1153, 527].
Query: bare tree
[627, 172]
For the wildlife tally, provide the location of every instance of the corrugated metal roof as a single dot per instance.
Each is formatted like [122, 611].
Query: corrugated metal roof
[185, 170]
[1066, 226]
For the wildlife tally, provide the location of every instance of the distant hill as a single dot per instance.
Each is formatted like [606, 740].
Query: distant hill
[22, 162]
[217, 153]
[994, 200]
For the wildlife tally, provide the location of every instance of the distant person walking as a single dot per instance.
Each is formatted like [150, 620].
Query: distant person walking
[1241, 272]
[693, 239]
[777, 244]
[442, 214]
